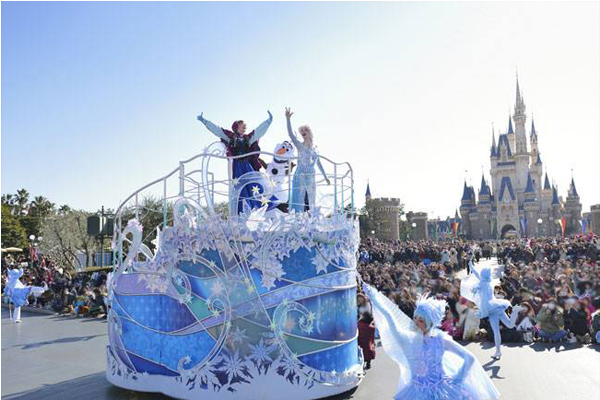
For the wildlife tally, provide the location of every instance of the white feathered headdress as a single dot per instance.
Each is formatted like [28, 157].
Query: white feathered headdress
[431, 309]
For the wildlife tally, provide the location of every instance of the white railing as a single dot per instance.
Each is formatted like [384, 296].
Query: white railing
[207, 179]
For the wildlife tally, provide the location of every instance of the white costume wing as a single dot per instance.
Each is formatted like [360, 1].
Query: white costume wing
[475, 380]
[469, 285]
[399, 336]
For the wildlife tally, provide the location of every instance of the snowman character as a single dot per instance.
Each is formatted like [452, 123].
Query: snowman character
[279, 171]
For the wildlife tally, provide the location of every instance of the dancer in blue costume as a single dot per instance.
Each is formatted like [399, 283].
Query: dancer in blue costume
[238, 143]
[478, 287]
[432, 365]
[18, 293]
[303, 185]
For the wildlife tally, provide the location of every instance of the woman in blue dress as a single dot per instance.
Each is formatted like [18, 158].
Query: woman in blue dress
[246, 181]
[478, 287]
[303, 184]
[432, 365]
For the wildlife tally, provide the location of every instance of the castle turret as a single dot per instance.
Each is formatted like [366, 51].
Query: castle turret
[387, 216]
[368, 193]
[536, 166]
[521, 154]
[482, 227]
[573, 210]
[467, 205]
[546, 197]
[519, 118]
[531, 209]
[555, 214]
[510, 133]
[595, 218]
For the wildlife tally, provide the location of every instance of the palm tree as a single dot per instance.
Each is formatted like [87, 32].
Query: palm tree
[8, 199]
[21, 201]
[41, 207]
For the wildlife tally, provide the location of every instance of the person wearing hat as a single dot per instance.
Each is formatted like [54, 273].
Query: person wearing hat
[238, 143]
[432, 365]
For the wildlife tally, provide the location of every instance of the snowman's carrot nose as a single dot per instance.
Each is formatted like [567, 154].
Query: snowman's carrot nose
[281, 151]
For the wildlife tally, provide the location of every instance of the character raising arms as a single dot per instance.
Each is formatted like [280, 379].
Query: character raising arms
[238, 143]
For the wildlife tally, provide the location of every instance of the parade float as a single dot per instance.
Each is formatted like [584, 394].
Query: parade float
[226, 305]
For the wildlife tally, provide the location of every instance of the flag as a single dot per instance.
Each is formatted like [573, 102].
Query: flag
[563, 225]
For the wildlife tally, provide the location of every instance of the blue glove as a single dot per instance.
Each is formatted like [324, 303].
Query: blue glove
[200, 117]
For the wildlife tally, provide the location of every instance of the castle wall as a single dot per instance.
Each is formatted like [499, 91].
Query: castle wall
[387, 214]
[595, 211]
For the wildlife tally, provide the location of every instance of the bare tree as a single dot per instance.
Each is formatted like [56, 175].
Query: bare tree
[65, 235]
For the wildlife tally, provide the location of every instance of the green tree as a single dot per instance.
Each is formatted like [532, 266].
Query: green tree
[21, 201]
[13, 234]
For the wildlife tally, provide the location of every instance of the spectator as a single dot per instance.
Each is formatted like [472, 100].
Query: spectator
[551, 322]
[576, 321]
[366, 338]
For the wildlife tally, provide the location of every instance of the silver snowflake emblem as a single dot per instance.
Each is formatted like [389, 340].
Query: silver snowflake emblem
[260, 352]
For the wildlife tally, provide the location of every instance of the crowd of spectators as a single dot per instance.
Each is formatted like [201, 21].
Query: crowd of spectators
[79, 294]
[555, 280]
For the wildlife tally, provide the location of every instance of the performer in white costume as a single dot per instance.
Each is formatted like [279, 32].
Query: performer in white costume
[279, 171]
[18, 293]
[478, 287]
[432, 365]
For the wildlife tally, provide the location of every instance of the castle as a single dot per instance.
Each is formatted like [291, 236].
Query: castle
[521, 201]
[386, 218]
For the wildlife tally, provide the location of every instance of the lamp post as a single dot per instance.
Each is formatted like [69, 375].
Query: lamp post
[539, 222]
[414, 225]
[34, 242]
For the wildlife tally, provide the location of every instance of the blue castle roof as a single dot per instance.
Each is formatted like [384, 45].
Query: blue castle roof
[573, 189]
[539, 159]
[485, 189]
[503, 141]
[506, 186]
[529, 188]
[554, 196]
[510, 128]
[466, 194]
[368, 194]
[547, 183]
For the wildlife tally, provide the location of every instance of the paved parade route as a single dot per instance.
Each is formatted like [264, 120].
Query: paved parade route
[56, 358]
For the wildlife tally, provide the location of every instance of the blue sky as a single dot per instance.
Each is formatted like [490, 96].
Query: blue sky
[100, 98]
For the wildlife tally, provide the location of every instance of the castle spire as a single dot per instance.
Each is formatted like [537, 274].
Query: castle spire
[484, 186]
[510, 127]
[519, 103]
[466, 193]
[529, 188]
[368, 194]
[573, 189]
[493, 152]
[546, 182]
[518, 98]
[533, 133]
[555, 196]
